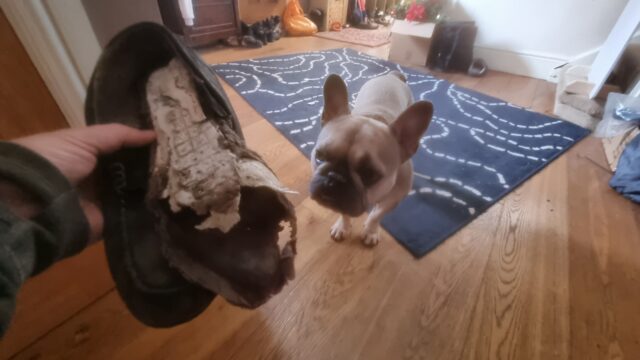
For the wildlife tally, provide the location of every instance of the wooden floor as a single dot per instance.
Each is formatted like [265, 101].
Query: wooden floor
[26, 106]
[552, 271]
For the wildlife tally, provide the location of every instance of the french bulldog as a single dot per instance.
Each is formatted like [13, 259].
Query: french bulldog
[362, 159]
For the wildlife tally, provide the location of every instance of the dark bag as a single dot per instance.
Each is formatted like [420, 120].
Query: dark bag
[452, 46]
[355, 14]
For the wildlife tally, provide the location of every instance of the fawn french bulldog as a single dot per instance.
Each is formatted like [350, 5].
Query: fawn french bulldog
[362, 158]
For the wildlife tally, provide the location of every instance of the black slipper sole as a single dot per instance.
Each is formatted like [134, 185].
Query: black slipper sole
[155, 293]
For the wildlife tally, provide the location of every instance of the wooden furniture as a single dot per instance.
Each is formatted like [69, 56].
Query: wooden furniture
[215, 20]
[334, 10]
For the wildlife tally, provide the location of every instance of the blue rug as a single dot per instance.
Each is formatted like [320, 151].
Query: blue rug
[476, 150]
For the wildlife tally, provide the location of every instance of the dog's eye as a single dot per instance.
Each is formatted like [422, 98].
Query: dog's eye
[368, 175]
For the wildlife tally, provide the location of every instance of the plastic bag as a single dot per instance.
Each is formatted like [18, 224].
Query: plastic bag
[295, 22]
[621, 114]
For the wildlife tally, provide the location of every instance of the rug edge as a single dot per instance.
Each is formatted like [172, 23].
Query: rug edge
[422, 252]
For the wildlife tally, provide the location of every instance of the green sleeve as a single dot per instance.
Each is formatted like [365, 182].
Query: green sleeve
[28, 246]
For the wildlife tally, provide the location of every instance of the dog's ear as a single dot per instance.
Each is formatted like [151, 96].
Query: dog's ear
[336, 98]
[410, 126]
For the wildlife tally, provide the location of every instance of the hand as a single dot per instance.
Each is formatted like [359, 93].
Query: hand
[75, 153]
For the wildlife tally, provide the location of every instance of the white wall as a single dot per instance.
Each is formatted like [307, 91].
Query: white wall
[108, 17]
[72, 24]
[530, 37]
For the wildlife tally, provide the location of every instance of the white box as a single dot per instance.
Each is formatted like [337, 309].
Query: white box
[410, 42]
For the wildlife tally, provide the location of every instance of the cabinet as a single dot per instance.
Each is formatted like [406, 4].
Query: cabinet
[214, 20]
[335, 10]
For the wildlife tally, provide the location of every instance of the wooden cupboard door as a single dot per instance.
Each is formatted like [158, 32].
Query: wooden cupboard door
[215, 20]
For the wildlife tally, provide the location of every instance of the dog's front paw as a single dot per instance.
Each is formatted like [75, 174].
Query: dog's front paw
[340, 230]
[371, 239]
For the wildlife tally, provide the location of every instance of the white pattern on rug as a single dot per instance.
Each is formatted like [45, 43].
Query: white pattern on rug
[491, 144]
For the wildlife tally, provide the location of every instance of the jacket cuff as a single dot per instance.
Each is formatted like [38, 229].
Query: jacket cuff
[61, 216]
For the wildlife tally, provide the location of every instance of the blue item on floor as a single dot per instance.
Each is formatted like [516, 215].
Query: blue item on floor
[476, 150]
[626, 180]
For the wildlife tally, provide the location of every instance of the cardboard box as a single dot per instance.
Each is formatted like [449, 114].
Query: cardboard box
[614, 146]
[410, 42]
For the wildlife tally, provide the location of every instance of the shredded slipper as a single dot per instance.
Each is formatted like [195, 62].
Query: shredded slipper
[197, 213]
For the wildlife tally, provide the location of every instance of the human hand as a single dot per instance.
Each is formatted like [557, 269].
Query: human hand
[75, 153]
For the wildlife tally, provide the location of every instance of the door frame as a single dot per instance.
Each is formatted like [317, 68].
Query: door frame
[611, 51]
[60, 41]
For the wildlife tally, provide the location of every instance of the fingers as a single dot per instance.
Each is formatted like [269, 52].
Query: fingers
[106, 139]
[95, 219]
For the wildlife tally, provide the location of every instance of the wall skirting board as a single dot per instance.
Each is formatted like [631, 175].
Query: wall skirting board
[534, 65]
[525, 37]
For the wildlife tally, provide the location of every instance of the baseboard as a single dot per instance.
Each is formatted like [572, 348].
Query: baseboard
[527, 64]
[40, 38]
[586, 58]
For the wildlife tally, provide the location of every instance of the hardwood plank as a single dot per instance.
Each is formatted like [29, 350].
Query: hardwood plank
[521, 90]
[434, 296]
[49, 299]
[549, 272]
[26, 106]
[522, 312]
[465, 81]
[107, 329]
[324, 315]
[284, 46]
[494, 84]
[603, 256]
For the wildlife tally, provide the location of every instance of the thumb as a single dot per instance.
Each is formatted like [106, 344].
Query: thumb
[94, 218]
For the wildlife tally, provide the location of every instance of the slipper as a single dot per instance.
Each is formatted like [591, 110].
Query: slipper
[221, 210]
[477, 68]
[155, 293]
[197, 213]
